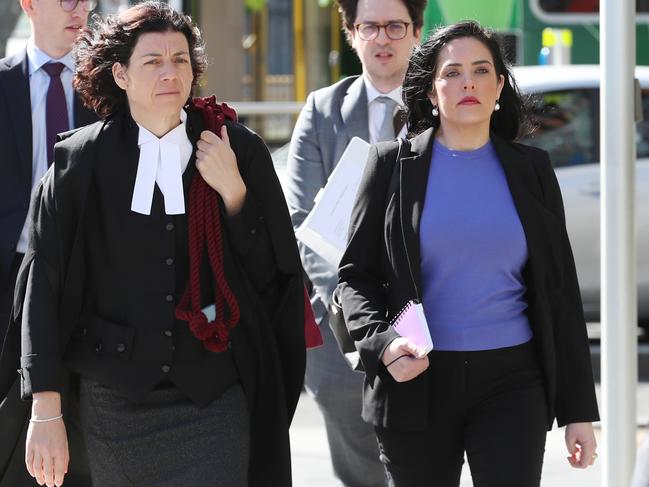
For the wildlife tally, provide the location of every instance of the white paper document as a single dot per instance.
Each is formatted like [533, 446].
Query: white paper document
[325, 229]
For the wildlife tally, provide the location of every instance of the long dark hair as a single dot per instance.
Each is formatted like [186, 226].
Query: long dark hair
[509, 122]
[113, 40]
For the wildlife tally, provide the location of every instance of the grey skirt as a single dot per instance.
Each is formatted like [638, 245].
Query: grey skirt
[166, 440]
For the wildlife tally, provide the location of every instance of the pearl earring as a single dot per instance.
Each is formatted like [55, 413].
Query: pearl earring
[435, 111]
[497, 107]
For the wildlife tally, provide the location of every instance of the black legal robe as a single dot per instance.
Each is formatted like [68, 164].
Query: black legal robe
[267, 346]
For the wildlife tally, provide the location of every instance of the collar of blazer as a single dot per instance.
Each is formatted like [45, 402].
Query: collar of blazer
[353, 110]
[520, 164]
[15, 85]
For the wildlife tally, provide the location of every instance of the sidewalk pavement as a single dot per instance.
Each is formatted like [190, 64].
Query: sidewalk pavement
[312, 466]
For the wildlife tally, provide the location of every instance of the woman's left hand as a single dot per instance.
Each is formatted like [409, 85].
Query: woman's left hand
[217, 163]
[581, 444]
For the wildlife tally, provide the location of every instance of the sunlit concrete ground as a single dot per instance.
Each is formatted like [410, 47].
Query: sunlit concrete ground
[312, 468]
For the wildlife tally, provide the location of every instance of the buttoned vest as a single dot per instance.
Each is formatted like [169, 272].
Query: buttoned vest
[136, 271]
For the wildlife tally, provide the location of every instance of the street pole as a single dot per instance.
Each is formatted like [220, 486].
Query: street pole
[618, 244]
[299, 58]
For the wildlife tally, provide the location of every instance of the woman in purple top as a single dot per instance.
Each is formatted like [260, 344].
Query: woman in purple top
[471, 224]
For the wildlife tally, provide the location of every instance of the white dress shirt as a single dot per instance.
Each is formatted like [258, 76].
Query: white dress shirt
[376, 110]
[162, 161]
[39, 81]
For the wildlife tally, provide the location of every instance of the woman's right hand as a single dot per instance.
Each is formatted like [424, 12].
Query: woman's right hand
[46, 451]
[404, 360]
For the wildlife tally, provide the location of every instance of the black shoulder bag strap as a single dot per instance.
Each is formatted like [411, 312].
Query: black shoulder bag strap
[397, 169]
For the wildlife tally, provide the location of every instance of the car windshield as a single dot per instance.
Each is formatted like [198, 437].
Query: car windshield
[564, 124]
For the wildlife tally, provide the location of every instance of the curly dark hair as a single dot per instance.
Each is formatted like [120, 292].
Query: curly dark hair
[510, 122]
[113, 41]
[348, 8]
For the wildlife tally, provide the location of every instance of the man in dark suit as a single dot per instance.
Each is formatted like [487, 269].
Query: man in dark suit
[36, 79]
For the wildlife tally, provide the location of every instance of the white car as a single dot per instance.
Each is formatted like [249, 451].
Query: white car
[566, 111]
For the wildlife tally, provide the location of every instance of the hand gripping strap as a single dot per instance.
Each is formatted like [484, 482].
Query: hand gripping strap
[205, 230]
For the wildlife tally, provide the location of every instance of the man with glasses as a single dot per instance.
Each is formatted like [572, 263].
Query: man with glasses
[37, 101]
[383, 34]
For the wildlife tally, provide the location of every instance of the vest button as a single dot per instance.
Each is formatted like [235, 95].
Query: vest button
[169, 261]
[83, 332]
[98, 347]
[165, 368]
[169, 298]
[169, 227]
[121, 348]
[168, 333]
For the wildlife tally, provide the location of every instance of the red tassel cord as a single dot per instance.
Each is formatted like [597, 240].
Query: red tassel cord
[205, 230]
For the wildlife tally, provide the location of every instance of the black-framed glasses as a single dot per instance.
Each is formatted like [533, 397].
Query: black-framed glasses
[70, 5]
[394, 30]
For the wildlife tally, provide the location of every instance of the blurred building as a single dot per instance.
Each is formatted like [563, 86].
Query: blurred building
[276, 50]
[280, 50]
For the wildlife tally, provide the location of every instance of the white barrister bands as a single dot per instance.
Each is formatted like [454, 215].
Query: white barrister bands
[162, 161]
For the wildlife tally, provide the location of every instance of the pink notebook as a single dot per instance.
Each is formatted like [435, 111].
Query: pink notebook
[411, 323]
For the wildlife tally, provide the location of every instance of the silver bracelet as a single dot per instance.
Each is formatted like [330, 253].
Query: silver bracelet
[46, 420]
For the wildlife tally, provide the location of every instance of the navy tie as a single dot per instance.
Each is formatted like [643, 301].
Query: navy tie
[56, 110]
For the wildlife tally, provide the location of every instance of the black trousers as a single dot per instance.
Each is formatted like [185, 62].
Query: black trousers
[490, 404]
[7, 296]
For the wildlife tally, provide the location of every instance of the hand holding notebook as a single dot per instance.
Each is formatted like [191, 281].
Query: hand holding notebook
[411, 323]
[404, 359]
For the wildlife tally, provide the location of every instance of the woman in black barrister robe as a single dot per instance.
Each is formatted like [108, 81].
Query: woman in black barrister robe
[144, 220]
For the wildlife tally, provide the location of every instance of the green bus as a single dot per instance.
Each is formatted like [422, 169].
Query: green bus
[522, 22]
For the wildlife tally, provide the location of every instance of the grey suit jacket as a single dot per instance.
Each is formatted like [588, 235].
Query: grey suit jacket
[328, 121]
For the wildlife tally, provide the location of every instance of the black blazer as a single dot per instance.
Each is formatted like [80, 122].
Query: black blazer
[376, 282]
[16, 146]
